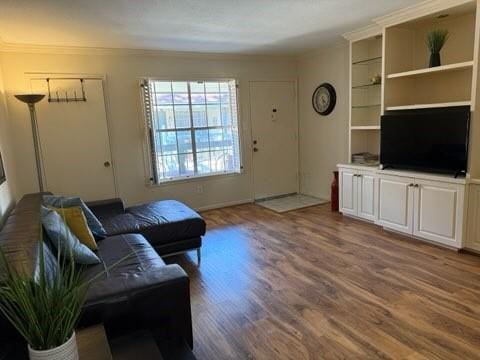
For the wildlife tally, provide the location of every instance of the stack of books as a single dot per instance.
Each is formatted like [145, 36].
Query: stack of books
[365, 158]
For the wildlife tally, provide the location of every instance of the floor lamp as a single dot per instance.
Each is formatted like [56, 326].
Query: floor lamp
[31, 100]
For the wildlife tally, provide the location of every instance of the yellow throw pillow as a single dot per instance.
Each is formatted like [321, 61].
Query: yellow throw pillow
[76, 221]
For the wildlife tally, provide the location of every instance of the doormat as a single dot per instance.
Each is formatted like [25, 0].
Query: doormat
[291, 202]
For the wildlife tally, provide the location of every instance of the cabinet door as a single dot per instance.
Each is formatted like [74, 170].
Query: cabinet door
[395, 203]
[438, 212]
[348, 192]
[366, 196]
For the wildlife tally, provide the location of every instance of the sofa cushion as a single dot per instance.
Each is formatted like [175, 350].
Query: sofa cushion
[168, 220]
[130, 270]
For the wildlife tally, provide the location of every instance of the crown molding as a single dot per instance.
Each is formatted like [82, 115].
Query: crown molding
[419, 10]
[74, 50]
[363, 33]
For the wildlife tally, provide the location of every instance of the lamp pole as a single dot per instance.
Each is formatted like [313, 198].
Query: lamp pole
[31, 100]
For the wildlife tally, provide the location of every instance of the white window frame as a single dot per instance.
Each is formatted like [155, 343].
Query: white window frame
[147, 144]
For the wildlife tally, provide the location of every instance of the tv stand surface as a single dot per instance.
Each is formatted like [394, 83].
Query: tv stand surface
[447, 178]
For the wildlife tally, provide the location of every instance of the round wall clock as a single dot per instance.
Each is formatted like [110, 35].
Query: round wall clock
[324, 99]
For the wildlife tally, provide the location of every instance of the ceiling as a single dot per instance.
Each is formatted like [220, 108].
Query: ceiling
[225, 26]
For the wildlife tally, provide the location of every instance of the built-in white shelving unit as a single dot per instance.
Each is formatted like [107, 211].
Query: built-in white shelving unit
[394, 45]
[365, 96]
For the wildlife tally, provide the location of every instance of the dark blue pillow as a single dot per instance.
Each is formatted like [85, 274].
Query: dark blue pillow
[94, 224]
[66, 243]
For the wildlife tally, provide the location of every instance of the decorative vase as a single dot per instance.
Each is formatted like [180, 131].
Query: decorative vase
[66, 351]
[434, 59]
[334, 192]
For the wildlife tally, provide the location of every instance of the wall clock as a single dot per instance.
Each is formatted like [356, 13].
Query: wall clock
[324, 99]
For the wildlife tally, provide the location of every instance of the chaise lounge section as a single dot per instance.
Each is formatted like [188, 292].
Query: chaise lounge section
[170, 226]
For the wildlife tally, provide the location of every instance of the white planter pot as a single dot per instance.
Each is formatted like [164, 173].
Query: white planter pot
[67, 351]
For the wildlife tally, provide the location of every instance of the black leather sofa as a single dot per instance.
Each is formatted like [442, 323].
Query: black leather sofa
[170, 226]
[140, 292]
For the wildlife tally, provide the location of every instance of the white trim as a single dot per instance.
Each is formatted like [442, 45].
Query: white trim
[224, 204]
[417, 11]
[86, 50]
[363, 33]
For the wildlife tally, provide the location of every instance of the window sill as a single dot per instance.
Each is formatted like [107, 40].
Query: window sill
[176, 181]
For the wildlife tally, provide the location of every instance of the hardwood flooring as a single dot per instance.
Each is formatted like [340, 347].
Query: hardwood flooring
[310, 284]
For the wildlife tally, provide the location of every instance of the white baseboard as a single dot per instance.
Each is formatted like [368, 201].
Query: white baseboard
[225, 204]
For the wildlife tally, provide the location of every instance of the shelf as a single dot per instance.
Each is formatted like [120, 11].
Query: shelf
[371, 127]
[429, 106]
[438, 69]
[368, 61]
[366, 86]
[364, 106]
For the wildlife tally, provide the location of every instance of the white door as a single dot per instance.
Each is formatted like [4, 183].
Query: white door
[348, 192]
[438, 212]
[366, 196]
[273, 111]
[395, 203]
[74, 140]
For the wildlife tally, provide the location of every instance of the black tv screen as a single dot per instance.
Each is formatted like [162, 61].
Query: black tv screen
[431, 139]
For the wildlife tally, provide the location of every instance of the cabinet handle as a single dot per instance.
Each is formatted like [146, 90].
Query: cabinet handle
[416, 185]
[410, 185]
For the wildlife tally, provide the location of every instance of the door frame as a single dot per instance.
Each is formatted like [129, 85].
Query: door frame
[250, 142]
[29, 76]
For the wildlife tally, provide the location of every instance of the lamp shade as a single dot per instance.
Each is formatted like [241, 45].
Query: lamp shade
[30, 98]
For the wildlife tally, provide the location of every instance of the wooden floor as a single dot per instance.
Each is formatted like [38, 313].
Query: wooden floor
[310, 284]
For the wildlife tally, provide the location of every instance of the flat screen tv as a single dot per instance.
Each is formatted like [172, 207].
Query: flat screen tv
[434, 140]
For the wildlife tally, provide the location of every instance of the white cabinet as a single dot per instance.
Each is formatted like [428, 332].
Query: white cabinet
[438, 212]
[395, 206]
[426, 206]
[357, 193]
[427, 209]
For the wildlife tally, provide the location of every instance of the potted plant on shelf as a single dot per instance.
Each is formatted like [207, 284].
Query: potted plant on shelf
[436, 39]
[44, 309]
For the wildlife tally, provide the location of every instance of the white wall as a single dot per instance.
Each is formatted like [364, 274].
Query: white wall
[123, 68]
[323, 139]
[6, 189]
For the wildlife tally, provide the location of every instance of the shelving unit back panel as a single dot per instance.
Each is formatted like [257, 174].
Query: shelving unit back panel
[431, 88]
[366, 49]
[365, 141]
[406, 47]
[458, 47]
[366, 116]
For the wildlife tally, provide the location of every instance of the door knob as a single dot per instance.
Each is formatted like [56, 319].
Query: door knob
[255, 149]
[106, 164]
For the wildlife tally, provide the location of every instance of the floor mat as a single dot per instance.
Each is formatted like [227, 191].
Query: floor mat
[290, 202]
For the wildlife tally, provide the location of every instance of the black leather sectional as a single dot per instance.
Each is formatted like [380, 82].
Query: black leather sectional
[140, 292]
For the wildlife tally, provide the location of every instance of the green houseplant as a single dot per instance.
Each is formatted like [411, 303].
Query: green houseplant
[44, 309]
[436, 39]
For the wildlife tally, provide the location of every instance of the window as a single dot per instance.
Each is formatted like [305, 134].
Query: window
[192, 127]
